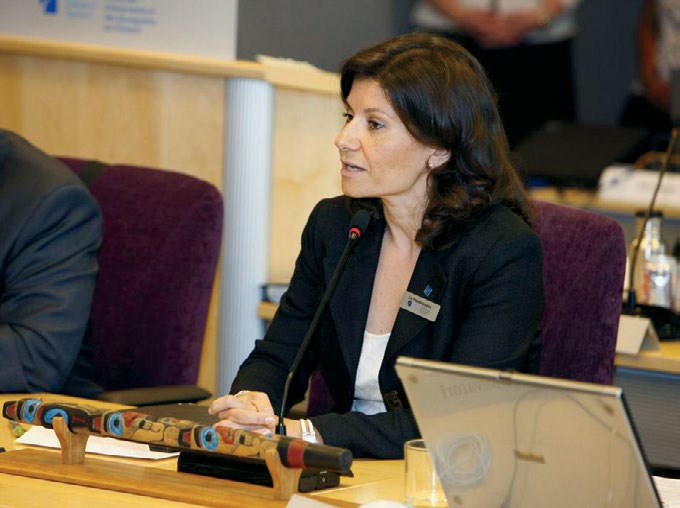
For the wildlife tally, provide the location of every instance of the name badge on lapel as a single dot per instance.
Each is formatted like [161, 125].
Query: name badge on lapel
[419, 306]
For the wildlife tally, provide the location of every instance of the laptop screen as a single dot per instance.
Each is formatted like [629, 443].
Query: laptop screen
[511, 440]
[574, 155]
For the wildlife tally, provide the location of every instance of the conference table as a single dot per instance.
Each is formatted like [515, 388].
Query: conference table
[373, 479]
[665, 360]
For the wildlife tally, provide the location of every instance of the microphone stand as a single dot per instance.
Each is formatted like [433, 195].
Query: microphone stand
[359, 222]
[631, 303]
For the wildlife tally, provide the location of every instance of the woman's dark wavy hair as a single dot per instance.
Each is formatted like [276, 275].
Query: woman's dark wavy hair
[443, 97]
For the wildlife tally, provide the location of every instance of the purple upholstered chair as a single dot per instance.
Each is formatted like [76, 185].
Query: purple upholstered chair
[584, 260]
[162, 236]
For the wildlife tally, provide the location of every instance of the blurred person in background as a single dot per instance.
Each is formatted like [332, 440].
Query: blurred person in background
[650, 103]
[525, 46]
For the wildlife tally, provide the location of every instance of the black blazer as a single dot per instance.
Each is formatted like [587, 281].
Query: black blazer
[50, 233]
[489, 287]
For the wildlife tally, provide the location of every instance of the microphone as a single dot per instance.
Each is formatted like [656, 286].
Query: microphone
[631, 303]
[358, 225]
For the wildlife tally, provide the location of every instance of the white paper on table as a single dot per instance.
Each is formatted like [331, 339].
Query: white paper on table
[40, 436]
[669, 491]
[297, 501]
[625, 184]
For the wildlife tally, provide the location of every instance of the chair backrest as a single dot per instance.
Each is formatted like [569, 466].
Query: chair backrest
[157, 264]
[584, 262]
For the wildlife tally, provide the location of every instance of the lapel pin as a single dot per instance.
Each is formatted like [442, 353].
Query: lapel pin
[428, 290]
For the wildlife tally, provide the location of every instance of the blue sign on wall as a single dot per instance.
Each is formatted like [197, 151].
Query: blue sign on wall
[49, 6]
[165, 26]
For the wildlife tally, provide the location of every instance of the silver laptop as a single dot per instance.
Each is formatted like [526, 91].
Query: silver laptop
[508, 440]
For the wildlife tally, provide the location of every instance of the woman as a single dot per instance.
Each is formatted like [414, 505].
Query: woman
[424, 150]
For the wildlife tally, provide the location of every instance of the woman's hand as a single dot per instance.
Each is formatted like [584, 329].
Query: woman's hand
[252, 411]
[246, 410]
[492, 29]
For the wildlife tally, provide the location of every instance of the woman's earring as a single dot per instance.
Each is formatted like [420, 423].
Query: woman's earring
[430, 166]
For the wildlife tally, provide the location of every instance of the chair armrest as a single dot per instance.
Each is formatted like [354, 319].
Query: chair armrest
[155, 395]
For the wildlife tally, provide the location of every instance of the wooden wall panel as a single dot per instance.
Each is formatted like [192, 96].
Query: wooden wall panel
[116, 114]
[306, 168]
[10, 92]
[112, 113]
[169, 113]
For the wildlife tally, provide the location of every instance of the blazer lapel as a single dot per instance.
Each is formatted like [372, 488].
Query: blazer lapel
[428, 282]
[352, 296]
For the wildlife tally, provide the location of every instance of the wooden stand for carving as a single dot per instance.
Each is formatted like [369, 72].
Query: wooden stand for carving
[285, 479]
[72, 444]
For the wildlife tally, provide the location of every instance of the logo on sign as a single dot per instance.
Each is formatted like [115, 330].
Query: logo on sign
[49, 6]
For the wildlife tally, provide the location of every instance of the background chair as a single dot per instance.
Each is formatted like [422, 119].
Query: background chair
[162, 237]
[584, 263]
[584, 260]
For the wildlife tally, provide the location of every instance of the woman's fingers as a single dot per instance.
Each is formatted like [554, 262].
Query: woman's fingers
[223, 403]
[256, 401]
[245, 410]
[248, 417]
[261, 402]
[263, 431]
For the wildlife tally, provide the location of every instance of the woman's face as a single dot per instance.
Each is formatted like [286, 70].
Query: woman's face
[379, 156]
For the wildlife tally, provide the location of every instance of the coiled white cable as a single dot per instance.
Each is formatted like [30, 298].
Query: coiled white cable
[464, 460]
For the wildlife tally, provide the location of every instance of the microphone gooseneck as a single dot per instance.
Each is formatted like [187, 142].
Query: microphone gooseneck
[358, 225]
[631, 303]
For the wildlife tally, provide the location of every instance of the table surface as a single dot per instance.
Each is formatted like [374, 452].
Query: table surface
[666, 359]
[373, 479]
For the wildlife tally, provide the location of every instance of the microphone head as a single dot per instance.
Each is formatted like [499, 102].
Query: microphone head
[359, 223]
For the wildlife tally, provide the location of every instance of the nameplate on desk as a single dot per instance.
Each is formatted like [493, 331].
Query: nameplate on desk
[636, 334]
[623, 184]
